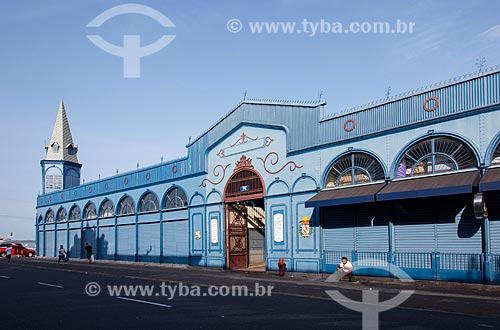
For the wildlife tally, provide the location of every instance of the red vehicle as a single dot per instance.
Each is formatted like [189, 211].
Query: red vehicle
[17, 250]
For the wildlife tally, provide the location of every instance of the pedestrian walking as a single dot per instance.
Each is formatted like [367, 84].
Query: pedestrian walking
[88, 249]
[8, 253]
[62, 254]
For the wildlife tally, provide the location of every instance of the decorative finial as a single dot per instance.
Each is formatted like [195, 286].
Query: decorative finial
[245, 95]
[320, 95]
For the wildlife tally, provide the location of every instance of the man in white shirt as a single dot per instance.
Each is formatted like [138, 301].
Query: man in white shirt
[62, 254]
[344, 269]
[8, 253]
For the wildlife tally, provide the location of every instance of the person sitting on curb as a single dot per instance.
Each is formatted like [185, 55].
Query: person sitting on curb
[345, 269]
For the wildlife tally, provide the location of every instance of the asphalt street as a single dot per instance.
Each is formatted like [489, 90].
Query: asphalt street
[38, 293]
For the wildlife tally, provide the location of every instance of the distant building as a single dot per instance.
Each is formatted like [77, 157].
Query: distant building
[413, 181]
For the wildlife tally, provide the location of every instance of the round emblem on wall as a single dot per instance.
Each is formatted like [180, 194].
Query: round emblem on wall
[106, 186]
[174, 169]
[125, 181]
[90, 190]
[62, 196]
[148, 176]
[75, 193]
[431, 104]
[349, 125]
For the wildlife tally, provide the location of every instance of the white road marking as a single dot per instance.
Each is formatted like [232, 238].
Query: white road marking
[144, 302]
[51, 285]
[3, 276]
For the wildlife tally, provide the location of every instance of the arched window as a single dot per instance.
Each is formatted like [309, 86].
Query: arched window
[107, 209]
[49, 217]
[149, 203]
[126, 206]
[75, 213]
[496, 156]
[354, 168]
[435, 155]
[61, 215]
[40, 220]
[176, 198]
[90, 211]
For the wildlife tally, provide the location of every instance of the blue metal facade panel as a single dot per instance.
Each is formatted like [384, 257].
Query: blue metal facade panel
[61, 239]
[89, 235]
[414, 226]
[175, 242]
[49, 250]
[75, 243]
[495, 237]
[338, 229]
[149, 242]
[126, 243]
[106, 243]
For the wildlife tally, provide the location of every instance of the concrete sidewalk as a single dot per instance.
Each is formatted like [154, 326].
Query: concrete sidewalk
[291, 280]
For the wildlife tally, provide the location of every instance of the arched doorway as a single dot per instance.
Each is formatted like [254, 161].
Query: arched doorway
[245, 217]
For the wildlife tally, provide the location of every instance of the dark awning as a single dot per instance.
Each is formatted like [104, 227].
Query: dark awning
[435, 185]
[490, 180]
[349, 195]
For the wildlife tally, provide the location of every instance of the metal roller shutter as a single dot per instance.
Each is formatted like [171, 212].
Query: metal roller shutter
[372, 229]
[106, 243]
[414, 225]
[49, 244]
[457, 229]
[126, 243]
[175, 242]
[89, 236]
[61, 239]
[75, 243]
[149, 242]
[493, 204]
[338, 228]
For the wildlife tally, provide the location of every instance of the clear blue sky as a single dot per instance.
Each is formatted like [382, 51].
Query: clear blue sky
[202, 74]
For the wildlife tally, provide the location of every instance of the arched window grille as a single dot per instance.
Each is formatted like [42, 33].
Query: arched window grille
[354, 168]
[126, 206]
[61, 215]
[49, 217]
[107, 209]
[75, 213]
[176, 198]
[435, 155]
[90, 211]
[149, 203]
[496, 156]
[244, 183]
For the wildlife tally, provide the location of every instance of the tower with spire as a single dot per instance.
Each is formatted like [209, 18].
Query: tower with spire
[60, 168]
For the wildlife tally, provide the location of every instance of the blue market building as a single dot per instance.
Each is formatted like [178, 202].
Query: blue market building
[412, 181]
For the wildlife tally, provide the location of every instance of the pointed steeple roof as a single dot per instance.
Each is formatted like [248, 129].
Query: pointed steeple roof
[61, 146]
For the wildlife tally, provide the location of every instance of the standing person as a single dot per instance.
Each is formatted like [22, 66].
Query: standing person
[62, 254]
[8, 253]
[88, 248]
